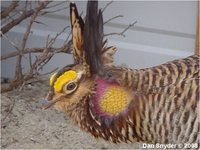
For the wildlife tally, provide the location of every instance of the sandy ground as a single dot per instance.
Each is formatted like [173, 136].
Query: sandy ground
[25, 125]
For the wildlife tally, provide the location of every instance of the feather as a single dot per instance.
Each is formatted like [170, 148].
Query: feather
[77, 26]
[93, 37]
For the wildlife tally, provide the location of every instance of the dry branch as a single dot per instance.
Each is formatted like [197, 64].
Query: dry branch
[109, 3]
[109, 20]
[18, 71]
[45, 53]
[66, 48]
[14, 84]
[25, 14]
[123, 31]
[15, 22]
[45, 56]
[9, 9]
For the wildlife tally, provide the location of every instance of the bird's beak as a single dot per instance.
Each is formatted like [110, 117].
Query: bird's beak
[46, 104]
[48, 101]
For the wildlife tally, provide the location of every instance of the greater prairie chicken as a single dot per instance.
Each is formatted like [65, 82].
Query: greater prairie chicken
[153, 105]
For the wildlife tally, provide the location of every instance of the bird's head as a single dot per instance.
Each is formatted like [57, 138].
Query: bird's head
[72, 83]
[67, 87]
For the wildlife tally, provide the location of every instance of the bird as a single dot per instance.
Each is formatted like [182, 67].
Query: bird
[158, 104]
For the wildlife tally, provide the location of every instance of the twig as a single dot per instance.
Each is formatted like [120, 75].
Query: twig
[15, 83]
[15, 22]
[11, 42]
[53, 11]
[123, 31]
[50, 72]
[67, 39]
[22, 86]
[10, 109]
[18, 71]
[24, 15]
[64, 49]
[44, 61]
[47, 40]
[103, 9]
[46, 52]
[112, 19]
[39, 22]
[25, 38]
[50, 43]
[55, 5]
[45, 56]
[12, 16]
[30, 60]
[9, 9]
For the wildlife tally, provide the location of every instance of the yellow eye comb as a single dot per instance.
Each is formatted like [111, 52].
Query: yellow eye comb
[61, 80]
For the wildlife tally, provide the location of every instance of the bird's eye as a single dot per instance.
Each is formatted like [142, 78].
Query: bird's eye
[71, 86]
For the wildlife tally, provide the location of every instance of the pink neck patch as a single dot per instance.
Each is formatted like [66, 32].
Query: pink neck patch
[103, 99]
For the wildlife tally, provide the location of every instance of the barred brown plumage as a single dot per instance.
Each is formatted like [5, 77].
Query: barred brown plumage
[153, 105]
[160, 76]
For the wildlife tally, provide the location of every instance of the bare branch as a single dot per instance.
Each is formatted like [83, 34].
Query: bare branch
[55, 5]
[11, 42]
[45, 56]
[37, 10]
[67, 48]
[32, 10]
[53, 11]
[57, 35]
[30, 60]
[15, 22]
[9, 9]
[103, 9]
[46, 53]
[24, 15]
[18, 71]
[123, 31]
[10, 109]
[119, 16]
[15, 83]
[39, 22]
[50, 72]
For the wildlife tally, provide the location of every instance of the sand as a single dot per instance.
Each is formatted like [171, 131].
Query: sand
[25, 125]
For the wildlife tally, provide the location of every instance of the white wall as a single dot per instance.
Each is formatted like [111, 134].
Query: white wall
[165, 30]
